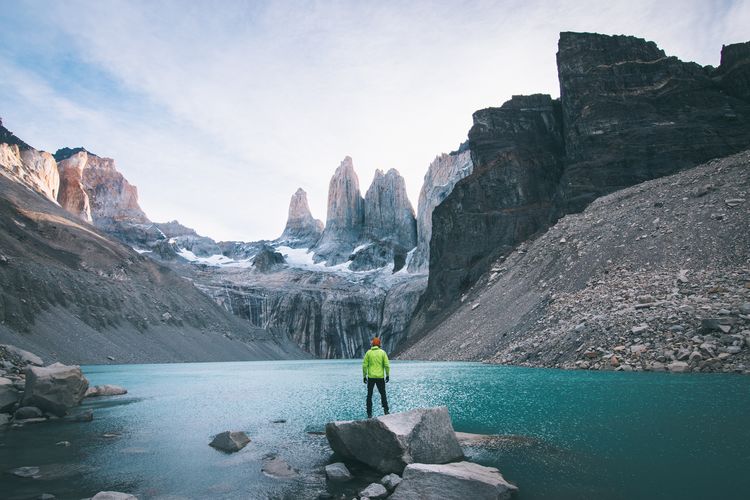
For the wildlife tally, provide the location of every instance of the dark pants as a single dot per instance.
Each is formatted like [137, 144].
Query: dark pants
[372, 382]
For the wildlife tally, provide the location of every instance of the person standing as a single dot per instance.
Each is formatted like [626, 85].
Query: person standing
[376, 371]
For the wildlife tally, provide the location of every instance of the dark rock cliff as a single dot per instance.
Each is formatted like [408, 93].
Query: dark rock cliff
[627, 113]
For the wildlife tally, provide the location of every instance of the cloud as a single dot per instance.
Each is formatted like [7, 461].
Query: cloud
[233, 105]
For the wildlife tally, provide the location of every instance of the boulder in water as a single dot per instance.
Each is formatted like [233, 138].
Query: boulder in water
[105, 390]
[390, 442]
[456, 481]
[338, 472]
[230, 441]
[113, 495]
[55, 388]
[25, 412]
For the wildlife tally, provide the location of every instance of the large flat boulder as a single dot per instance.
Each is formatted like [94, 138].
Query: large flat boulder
[24, 357]
[105, 390]
[391, 442]
[456, 481]
[55, 388]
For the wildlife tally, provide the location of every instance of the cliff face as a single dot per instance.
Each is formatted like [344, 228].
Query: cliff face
[651, 277]
[442, 175]
[35, 169]
[627, 113]
[630, 114]
[388, 212]
[328, 314]
[302, 229]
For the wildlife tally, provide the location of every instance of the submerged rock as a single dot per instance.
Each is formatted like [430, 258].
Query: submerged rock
[55, 388]
[338, 472]
[230, 441]
[452, 481]
[105, 390]
[113, 495]
[276, 467]
[390, 442]
[25, 472]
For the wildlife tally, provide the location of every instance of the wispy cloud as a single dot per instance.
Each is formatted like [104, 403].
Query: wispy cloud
[233, 105]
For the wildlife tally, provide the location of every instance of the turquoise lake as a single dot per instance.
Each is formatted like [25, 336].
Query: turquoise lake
[577, 435]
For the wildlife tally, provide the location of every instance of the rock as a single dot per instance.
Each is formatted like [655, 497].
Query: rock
[455, 481]
[338, 472]
[302, 230]
[113, 495]
[25, 472]
[64, 444]
[613, 361]
[112, 358]
[55, 388]
[27, 412]
[345, 216]
[92, 189]
[4, 419]
[637, 330]
[374, 490]
[46, 496]
[588, 143]
[26, 357]
[390, 481]
[678, 367]
[733, 349]
[230, 441]
[274, 466]
[268, 259]
[695, 358]
[638, 349]
[442, 174]
[389, 442]
[388, 212]
[8, 394]
[709, 325]
[105, 390]
[744, 308]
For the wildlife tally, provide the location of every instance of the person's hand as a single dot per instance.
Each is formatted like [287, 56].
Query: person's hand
[364, 379]
[387, 378]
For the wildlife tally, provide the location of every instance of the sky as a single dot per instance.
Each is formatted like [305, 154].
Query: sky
[219, 110]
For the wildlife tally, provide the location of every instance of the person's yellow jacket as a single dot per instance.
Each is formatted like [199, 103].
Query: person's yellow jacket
[375, 363]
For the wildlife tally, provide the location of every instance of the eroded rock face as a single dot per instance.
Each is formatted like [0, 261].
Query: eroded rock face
[55, 388]
[627, 113]
[33, 168]
[455, 481]
[72, 196]
[442, 175]
[388, 211]
[631, 114]
[345, 216]
[112, 200]
[733, 73]
[517, 150]
[327, 314]
[391, 442]
[302, 229]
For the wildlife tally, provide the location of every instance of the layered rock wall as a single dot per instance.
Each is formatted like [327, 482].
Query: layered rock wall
[627, 113]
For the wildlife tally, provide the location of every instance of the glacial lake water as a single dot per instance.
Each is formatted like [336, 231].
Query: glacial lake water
[577, 434]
